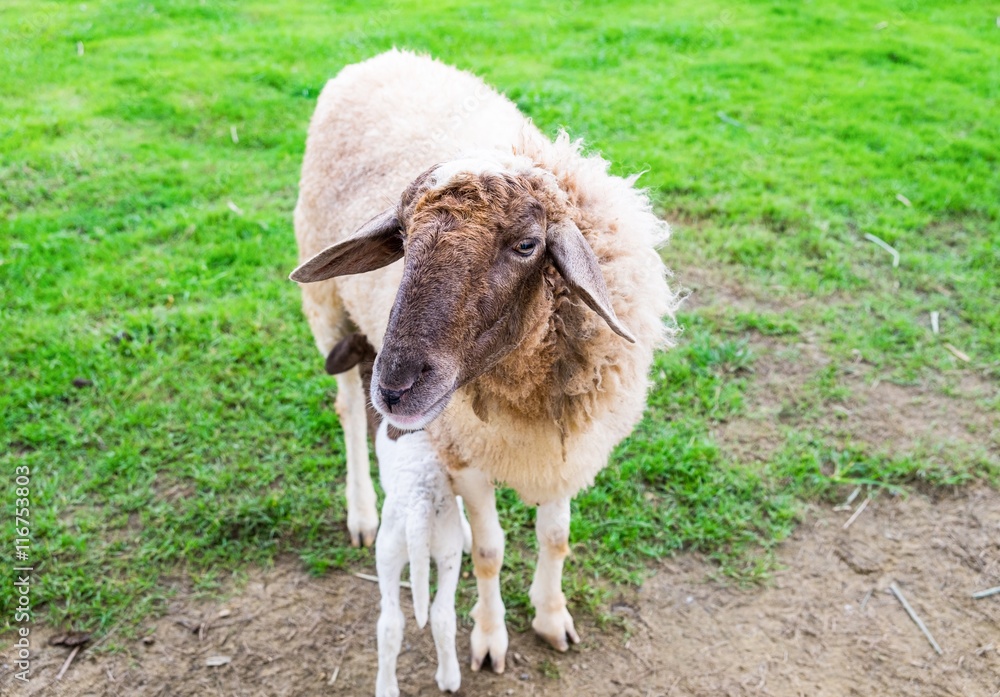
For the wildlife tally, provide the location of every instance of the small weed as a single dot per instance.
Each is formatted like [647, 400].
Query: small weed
[549, 669]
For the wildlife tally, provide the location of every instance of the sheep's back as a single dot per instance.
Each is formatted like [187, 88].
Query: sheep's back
[377, 125]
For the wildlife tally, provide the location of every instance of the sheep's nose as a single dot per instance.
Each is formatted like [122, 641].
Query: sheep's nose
[392, 397]
[396, 383]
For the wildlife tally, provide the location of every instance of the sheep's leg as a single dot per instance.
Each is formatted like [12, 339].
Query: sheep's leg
[552, 620]
[448, 675]
[390, 558]
[489, 636]
[362, 516]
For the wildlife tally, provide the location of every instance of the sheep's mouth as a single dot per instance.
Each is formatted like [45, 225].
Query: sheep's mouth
[413, 421]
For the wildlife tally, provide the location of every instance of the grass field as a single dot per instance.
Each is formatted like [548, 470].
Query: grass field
[149, 157]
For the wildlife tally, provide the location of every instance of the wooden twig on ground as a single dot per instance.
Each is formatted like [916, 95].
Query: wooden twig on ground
[634, 681]
[69, 659]
[202, 628]
[374, 579]
[913, 616]
[961, 355]
[846, 505]
[860, 509]
[315, 624]
[886, 246]
[229, 623]
[986, 593]
[865, 601]
[90, 649]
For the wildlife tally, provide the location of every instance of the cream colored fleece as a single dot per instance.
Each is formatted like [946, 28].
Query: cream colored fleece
[382, 122]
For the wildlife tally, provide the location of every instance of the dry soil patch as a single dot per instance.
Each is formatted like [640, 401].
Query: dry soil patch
[811, 632]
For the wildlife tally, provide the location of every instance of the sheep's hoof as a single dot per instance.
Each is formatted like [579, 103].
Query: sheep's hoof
[490, 647]
[487, 660]
[556, 629]
[363, 528]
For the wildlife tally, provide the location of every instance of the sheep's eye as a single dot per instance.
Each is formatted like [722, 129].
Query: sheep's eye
[525, 247]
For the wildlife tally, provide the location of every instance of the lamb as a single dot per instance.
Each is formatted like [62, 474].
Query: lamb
[421, 517]
[520, 327]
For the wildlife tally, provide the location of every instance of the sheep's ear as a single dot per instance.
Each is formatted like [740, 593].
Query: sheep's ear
[348, 352]
[376, 244]
[576, 262]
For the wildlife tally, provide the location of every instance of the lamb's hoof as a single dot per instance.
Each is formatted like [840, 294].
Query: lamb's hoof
[449, 680]
[490, 646]
[363, 526]
[387, 690]
[556, 629]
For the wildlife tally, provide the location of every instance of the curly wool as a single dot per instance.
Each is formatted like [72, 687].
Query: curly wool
[382, 122]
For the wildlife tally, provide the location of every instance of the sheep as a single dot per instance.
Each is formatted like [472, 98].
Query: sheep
[520, 327]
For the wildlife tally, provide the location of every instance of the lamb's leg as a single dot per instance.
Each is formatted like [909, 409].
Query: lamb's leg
[466, 530]
[552, 620]
[489, 636]
[362, 516]
[448, 675]
[390, 558]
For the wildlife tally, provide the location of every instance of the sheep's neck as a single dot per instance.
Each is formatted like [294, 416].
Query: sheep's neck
[530, 382]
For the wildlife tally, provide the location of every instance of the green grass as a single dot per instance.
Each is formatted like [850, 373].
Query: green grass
[145, 251]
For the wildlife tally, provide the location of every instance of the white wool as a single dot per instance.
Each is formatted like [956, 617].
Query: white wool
[450, 171]
[382, 122]
[420, 520]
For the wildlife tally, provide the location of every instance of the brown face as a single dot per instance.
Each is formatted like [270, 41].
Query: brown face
[475, 247]
[474, 251]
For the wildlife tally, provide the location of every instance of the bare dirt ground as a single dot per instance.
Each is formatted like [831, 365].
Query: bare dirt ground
[825, 626]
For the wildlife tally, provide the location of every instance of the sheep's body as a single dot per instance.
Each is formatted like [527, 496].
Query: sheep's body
[420, 520]
[380, 123]
[545, 418]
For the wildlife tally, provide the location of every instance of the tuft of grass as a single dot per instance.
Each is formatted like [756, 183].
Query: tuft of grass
[144, 254]
[764, 323]
[549, 669]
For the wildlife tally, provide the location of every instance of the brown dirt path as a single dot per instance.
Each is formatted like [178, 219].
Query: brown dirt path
[806, 634]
